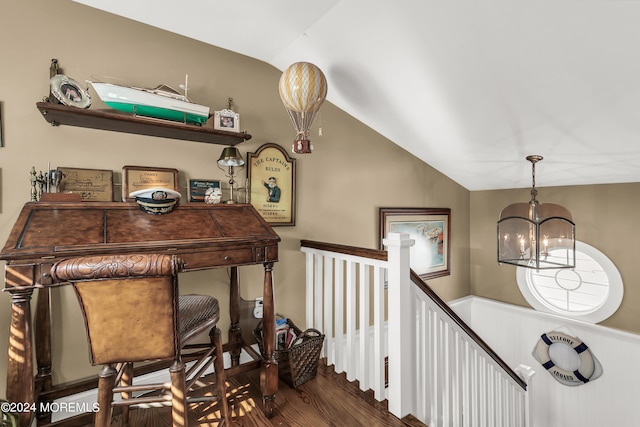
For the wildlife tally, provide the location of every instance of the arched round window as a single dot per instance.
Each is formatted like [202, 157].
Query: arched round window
[591, 292]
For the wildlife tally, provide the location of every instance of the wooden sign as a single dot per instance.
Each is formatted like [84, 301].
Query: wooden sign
[142, 177]
[272, 186]
[93, 185]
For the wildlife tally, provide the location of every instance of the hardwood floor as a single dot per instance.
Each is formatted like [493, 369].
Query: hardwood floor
[327, 400]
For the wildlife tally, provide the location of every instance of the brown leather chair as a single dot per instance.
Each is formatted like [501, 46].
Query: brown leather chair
[133, 313]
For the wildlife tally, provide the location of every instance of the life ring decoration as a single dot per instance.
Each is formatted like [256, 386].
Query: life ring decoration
[588, 370]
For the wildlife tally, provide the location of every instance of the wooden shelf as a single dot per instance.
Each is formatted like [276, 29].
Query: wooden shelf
[110, 120]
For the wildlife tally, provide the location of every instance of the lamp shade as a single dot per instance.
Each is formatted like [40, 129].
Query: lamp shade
[303, 89]
[230, 157]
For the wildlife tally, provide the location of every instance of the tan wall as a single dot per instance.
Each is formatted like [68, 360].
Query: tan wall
[352, 172]
[605, 217]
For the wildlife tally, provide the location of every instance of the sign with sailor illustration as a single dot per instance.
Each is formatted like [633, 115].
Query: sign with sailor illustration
[272, 184]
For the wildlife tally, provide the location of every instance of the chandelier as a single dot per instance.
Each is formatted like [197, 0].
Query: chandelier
[536, 235]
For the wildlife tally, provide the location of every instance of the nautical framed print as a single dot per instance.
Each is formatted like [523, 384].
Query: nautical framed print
[227, 120]
[199, 189]
[272, 184]
[136, 178]
[93, 185]
[431, 230]
[69, 92]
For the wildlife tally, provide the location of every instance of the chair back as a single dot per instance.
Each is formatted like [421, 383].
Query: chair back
[129, 304]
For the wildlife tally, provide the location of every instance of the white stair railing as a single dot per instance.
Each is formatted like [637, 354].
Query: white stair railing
[438, 369]
[345, 291]
[460, 379]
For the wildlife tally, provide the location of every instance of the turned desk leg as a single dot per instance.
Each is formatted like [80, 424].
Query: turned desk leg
[42, 333]
[20, 388]
[235, 333]
[269, 369]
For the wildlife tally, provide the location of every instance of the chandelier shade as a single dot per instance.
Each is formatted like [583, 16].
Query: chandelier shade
[303, 89]
[536, 235]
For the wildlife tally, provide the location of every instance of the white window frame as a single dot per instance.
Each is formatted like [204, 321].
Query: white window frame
[609, 306]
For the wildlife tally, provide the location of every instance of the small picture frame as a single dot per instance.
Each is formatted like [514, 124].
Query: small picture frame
[93, 185]
[136, 178]
[431, 230]
[198, 188]
[227, 120]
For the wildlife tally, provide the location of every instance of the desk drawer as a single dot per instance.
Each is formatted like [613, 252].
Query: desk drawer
[232, 257]
[220, 258]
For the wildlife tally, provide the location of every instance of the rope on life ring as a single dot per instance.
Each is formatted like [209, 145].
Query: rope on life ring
[587, 365]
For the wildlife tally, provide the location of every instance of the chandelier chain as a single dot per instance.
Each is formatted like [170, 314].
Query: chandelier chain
[533, 159]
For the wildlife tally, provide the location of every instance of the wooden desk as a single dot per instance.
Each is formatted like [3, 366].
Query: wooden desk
[205, 236]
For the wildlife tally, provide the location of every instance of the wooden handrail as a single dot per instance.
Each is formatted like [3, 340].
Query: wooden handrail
[415, 278]
[347, 250]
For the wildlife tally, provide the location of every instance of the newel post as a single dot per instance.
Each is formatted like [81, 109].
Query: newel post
[401, 324]
[526, 373]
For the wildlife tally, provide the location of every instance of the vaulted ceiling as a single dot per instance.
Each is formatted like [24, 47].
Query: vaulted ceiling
[469, 86]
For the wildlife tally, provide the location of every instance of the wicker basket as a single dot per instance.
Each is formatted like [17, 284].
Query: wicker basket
[298, 363]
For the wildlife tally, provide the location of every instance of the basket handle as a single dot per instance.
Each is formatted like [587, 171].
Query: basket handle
[310, 331]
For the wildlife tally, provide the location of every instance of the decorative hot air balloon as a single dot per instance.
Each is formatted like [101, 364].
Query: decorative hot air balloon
[303, 89]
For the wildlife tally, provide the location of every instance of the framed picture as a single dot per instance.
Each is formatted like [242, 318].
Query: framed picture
[272, 185]
[1, 142]
[198, 188]
[136, 178]
[93, 185]
[226, 120]
[431, 230]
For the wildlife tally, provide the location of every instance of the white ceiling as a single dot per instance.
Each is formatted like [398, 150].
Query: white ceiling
[469, 86]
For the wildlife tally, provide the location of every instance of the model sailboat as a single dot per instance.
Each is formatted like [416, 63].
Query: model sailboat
[162, 102]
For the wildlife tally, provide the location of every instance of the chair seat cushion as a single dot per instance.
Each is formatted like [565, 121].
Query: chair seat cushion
[197, 312]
